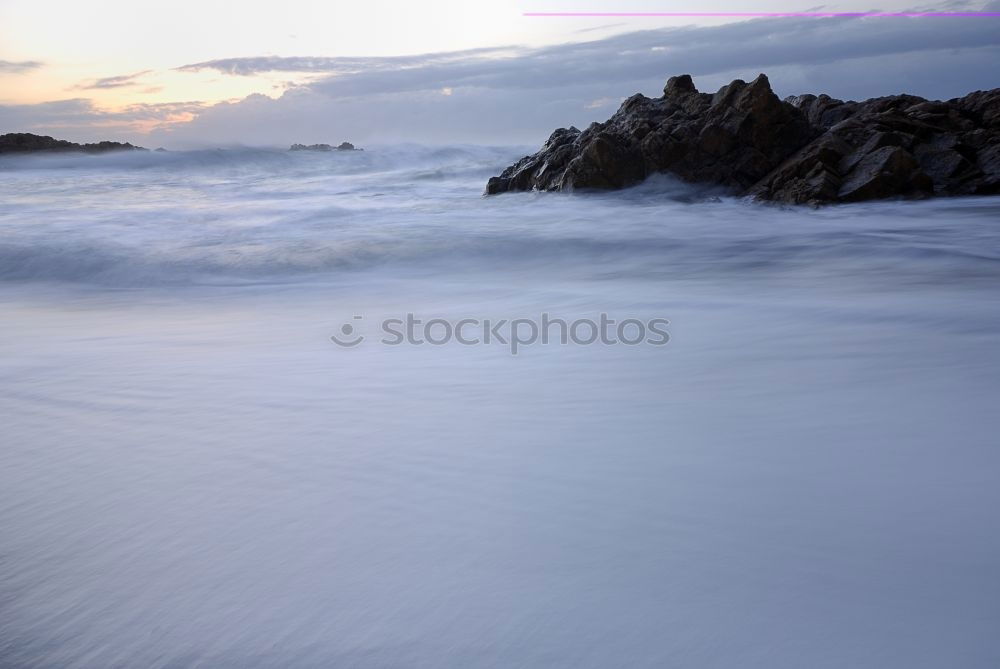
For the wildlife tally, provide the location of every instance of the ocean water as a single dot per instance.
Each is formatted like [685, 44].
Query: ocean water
[194, 474]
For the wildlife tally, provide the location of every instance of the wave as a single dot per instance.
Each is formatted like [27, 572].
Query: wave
[267, 215]
[844, 256]
[374, 159]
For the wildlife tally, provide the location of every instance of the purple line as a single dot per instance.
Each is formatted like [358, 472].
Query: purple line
[762, 14]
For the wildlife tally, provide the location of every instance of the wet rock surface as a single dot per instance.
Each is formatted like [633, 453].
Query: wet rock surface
[805, 149]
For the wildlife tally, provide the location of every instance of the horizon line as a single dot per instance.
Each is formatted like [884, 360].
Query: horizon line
[760, 14]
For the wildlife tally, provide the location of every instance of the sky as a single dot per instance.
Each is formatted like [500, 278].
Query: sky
[212, 73]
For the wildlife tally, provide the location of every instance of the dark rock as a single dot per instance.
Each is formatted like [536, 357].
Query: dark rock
[885, 172]
[944, 165]
[345, 146]
[26, 142]
[682, 84]
[811, 175]
[989, 164]
[310, 147]
[805, 149]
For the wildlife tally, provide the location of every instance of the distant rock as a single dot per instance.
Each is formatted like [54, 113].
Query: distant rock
[806, 149]
[310, 147]
[345, 146]
[25, 142]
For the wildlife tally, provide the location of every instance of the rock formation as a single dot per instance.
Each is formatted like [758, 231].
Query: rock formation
[344, 146]
[805, 149]
[25, 142]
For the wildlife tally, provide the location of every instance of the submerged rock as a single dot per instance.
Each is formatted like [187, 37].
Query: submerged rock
[26, 142]
[805, 149]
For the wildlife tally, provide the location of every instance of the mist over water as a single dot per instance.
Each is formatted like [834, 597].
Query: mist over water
[193, 474]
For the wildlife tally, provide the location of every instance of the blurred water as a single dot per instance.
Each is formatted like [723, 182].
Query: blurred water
[193, 474]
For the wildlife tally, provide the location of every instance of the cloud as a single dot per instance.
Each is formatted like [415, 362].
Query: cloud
[515, 95]
[78, 119]
[18, 117]
[607, 26]
[601, 103]
[120, 81]
[338, 65]
[509, 95]
[18, 67]
[653, 54]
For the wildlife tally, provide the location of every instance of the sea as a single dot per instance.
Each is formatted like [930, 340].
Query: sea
[262, 408]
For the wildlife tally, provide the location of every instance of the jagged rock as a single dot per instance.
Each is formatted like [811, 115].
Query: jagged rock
[805, 149]
[26, 142]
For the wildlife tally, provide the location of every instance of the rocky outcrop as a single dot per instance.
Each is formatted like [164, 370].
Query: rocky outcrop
[344, 146]
[25, 142]
[806, 149]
